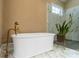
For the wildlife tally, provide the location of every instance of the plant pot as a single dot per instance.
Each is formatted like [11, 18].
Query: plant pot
[60, 38]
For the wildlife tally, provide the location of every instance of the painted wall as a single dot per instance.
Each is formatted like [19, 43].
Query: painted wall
[1, 7]
[30, 14]
[71, 3]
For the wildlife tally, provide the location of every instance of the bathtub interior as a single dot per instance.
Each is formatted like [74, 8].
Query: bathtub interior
[36, 43]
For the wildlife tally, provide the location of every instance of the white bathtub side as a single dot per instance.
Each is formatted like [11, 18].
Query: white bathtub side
[31, 46]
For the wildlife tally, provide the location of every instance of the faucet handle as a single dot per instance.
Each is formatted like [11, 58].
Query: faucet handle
[16, 23]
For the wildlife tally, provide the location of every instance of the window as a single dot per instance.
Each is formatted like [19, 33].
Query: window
[53, 8]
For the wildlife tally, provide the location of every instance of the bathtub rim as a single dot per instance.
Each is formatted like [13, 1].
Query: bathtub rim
[32, 34]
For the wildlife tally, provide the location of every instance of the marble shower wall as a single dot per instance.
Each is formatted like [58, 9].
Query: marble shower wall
[75, 26]
[52, 20]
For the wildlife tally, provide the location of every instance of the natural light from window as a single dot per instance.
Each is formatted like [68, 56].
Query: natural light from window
[54, 8]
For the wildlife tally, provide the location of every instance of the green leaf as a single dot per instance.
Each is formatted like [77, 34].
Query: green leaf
[57, 27]
[64, 28]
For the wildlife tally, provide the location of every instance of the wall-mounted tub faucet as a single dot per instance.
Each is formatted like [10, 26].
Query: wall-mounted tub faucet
[15, 30]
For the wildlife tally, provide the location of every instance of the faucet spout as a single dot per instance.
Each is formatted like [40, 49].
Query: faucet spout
[15, 30]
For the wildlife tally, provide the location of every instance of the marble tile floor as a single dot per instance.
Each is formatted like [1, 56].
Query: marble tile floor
[57, 52]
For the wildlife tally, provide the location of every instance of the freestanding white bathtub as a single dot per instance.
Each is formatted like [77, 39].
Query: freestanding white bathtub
[31, 44]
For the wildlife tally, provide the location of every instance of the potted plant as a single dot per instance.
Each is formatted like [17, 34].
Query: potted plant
[63, 29]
